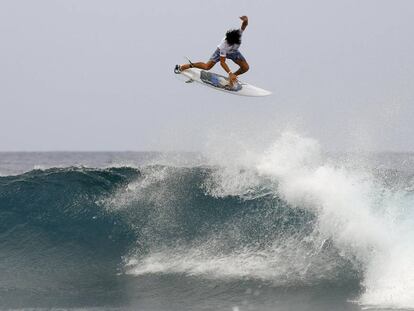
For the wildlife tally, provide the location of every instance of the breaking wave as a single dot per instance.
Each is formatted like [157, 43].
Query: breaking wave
[286, 216]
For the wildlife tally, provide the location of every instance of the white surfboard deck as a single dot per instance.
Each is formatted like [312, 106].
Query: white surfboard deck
[220, 83]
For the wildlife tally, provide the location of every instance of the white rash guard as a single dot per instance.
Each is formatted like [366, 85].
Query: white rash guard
[225, 48]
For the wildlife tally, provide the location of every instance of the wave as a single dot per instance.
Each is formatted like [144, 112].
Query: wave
[284, 215]
[62, 202]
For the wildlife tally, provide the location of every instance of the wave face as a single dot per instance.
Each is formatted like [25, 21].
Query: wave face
[55, 238]
[284, 216]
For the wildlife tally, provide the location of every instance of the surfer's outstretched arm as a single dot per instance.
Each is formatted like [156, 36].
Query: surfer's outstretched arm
[245, 22]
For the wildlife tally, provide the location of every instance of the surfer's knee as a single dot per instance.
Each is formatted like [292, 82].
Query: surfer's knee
[210, 65]
[245, 67]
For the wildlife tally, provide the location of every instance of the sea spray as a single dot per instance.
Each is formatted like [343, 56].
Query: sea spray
[353, 210]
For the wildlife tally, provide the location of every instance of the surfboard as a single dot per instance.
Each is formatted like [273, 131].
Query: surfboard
[221, 83]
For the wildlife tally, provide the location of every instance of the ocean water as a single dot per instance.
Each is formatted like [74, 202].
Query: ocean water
[286, 227]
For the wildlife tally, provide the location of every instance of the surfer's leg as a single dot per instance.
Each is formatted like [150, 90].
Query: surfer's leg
[244, 67]
[200, 65]
[205, 66]
[239, 59]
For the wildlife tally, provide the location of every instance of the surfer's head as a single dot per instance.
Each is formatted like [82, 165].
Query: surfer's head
[233, 36]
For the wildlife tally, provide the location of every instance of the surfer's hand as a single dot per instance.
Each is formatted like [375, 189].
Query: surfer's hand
[245, 22]
[232, 78]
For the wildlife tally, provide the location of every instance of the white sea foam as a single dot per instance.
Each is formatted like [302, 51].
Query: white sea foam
[285, 262]
[368, 223]
[362, 218]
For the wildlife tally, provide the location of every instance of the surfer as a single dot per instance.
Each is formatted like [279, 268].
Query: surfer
[228, 48]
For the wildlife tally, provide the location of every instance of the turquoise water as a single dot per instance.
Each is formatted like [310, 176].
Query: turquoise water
[150, 231]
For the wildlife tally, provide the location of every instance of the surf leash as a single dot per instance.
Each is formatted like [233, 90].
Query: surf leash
[190, 62]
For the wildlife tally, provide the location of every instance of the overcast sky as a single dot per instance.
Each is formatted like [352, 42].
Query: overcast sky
[97, 74]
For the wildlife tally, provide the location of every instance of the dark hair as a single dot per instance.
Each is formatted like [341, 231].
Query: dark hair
[233, 36]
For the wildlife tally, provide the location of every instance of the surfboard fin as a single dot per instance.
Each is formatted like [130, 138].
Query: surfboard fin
[189, 81]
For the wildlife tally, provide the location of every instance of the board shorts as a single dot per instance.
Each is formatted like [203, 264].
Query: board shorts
[234, 56]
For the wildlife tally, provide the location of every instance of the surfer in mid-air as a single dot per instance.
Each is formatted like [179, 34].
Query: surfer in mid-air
[227, 49]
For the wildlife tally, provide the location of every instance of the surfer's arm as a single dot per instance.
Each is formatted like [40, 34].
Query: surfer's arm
[224, 65]
[245, 22]
[232, 76]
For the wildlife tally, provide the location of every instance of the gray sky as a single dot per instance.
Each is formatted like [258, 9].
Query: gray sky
[97, 74]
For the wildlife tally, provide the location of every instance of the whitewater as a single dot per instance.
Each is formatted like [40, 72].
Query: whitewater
[281, 227]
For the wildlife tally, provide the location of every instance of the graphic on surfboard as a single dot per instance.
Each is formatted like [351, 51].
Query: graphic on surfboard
[220, 82]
